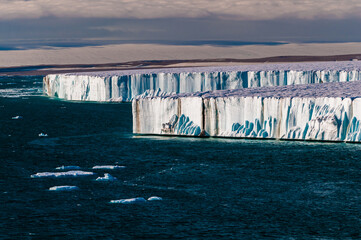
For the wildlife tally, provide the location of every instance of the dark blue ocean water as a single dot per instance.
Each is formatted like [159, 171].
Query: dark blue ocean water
[211, 188]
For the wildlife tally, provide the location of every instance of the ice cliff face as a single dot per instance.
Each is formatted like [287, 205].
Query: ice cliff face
[330, 111]
[167, 116]
[126, 85]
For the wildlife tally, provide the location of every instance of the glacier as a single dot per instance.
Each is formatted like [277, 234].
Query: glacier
[324, 112]
[128, 84]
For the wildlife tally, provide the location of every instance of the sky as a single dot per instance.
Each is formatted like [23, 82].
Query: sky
[40, 23]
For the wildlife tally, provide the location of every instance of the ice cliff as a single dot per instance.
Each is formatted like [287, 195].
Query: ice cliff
[328, 111]
[125, 85]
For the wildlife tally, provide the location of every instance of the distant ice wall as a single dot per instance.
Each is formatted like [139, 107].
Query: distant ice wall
[124, 86]
[328, 118]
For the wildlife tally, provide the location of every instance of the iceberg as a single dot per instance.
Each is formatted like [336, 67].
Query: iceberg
[129, 200]
[61, 174]
[108, 167]
[63, 188]
[17, 117]
[126, 85]
[107, 177]
[324, 112]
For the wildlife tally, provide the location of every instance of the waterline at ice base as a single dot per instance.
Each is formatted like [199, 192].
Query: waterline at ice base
[128, 84]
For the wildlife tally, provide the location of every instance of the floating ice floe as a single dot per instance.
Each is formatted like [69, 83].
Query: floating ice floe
[63, 188]
[43, 135]
[129, 200]
[68, 168]
[107, 177]
[17, 117]
[109, 167]
[155, 198]
[18, 92]
[62, 174]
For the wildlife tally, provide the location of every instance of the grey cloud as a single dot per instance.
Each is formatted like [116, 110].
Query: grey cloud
[124, 29]
[33, 33]
[149, 9]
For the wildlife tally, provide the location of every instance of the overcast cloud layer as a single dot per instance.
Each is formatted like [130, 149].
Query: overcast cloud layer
[148, 9]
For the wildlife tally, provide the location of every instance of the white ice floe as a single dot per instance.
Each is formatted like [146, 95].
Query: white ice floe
[17, 117]
[63, 188]
[155, 198]
[68, 168]
[129, 200]
[61, 174]
[18, 92]
[43, 135]
[107, 177]
[108, 167]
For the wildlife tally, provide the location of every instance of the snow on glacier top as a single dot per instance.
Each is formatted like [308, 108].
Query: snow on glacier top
[334, 89]
[299, 66]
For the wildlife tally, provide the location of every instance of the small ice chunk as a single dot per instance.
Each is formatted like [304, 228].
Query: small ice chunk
[43, 135]
[109, 167]
[129, 200]
[63, 188]
[68, 168]
[61, 174]
[155, 198]
[17, 117]
[107, 177]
